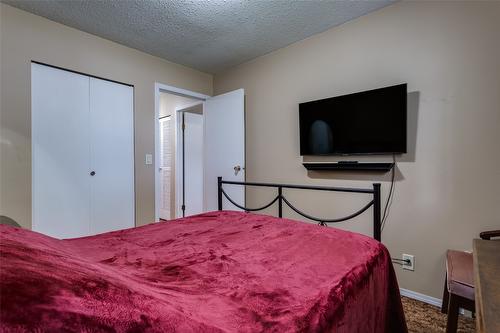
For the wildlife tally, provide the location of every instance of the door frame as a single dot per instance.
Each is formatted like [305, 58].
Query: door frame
[159, 88]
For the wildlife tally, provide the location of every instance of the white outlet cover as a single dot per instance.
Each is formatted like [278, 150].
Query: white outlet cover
[410, 267]
[149, 158]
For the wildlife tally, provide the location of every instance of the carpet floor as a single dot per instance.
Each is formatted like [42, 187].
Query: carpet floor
[425, 318]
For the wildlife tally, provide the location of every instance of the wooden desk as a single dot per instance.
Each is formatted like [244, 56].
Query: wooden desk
[487, 285]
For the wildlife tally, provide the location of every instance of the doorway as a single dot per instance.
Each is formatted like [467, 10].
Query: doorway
[169, 155]
[200, 128]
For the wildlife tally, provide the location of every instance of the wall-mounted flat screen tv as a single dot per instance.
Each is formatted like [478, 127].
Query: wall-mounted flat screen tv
[368, 122]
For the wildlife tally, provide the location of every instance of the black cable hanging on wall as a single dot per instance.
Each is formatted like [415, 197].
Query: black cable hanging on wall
[390, 196]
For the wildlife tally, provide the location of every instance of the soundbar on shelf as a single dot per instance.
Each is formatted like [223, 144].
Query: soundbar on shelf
[349, 166]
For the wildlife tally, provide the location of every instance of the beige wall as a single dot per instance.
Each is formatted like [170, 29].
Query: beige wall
[25, 37]
[169, 103]
[448, 186]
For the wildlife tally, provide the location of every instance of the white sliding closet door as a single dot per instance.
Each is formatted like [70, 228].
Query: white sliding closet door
[111, 156]
[82, 154]
[60, 152]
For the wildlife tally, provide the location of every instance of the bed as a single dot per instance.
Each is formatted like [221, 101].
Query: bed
[222, 271]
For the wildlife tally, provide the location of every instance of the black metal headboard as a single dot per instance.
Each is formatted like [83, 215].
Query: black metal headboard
[375, 202]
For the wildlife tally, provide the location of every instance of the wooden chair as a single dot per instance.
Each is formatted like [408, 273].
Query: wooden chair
[459, 283]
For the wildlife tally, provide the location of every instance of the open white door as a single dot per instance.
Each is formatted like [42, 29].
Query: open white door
[224, 152]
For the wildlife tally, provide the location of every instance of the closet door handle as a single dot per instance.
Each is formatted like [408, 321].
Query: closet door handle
[92, 173]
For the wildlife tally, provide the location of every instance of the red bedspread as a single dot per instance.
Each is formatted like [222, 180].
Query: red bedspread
[215, 272]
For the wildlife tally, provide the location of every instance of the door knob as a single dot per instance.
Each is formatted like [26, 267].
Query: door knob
[92, 173]
[237, 169]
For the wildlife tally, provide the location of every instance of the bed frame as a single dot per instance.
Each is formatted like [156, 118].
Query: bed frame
[375, 202]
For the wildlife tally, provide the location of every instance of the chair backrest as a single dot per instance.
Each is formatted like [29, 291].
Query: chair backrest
[488, 235]
[8, 221]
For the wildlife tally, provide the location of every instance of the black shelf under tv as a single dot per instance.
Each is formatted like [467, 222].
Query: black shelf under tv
[343, 166]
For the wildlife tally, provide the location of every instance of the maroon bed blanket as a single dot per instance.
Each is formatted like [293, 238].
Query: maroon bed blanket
[215, 272]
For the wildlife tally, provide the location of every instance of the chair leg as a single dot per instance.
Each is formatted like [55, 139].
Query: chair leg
[453, 308]
[446, 296]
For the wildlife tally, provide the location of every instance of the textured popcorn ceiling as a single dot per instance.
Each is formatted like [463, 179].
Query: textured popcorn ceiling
[209, 35]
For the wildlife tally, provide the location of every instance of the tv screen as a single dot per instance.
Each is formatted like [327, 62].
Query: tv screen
[368, 122]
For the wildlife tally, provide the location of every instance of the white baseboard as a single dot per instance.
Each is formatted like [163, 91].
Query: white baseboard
[421, 297]
[429, 300]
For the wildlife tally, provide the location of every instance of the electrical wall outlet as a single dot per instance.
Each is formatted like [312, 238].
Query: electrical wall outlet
[408, 265]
